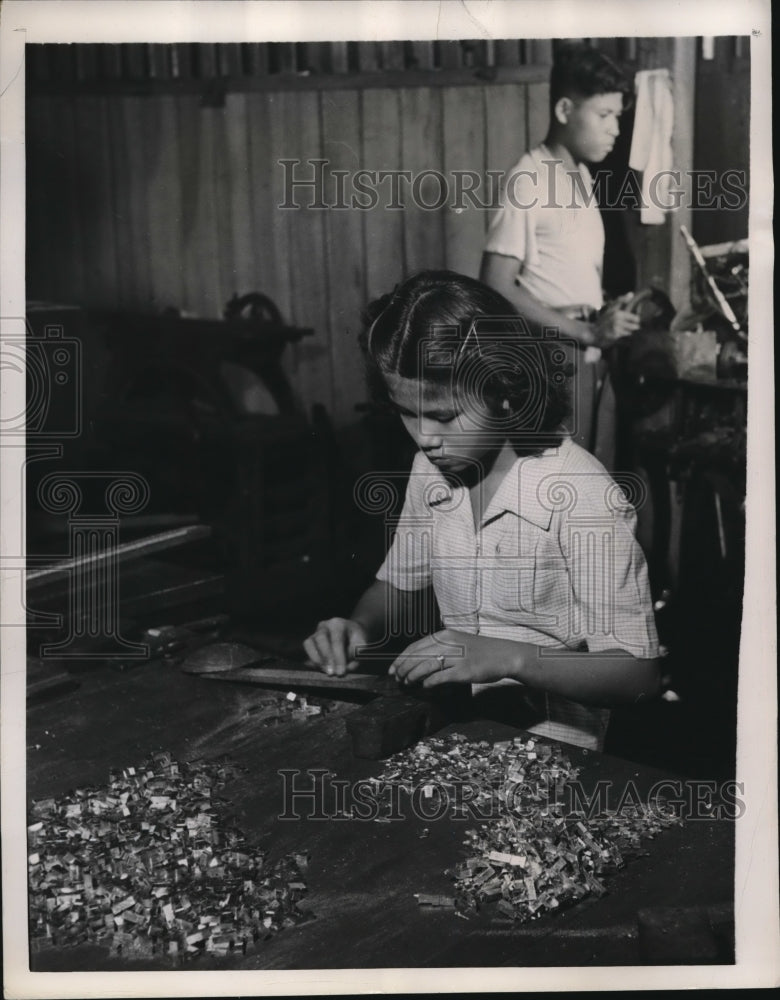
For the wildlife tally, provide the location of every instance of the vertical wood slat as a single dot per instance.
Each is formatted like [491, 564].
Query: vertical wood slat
[318, 58]
[235, 198]
[159, 56]
[64, 120]
[721, 141]
[270, 236]
[226, 177]
[229, 59]
[203, 295]
[37, 62]
[391, 55]
[422, 55]
[86, 60]
[134, 61]
[94, 180]
[506, 134]
[507, 52]
[181, 61]
[421, 150]
[38, 268]
[537, 112]
[256, 58]
[54, 224]
[306, 262]
[62, 64]
[684, 75]
[450, 55]
[160, 138]
[383, 225]
[282, 57]
[110, 61]
[339, 57]
[206, 61]
[368, 56]
[474, 53]
[539, 51]
[463, 112]
[130, 204]
[344, 255]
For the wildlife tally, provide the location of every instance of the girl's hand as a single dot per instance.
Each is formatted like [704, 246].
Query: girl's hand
[455, 657]
[332, 646]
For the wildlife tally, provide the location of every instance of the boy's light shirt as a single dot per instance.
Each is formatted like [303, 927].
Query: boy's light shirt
[552, 226]
[554, 563]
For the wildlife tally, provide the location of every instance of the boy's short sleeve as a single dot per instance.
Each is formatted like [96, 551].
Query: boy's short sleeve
[407, 565]
[512, 232]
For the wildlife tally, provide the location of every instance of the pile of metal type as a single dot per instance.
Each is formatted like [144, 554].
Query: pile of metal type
[541, 842]
[149, 865]
[276, 709]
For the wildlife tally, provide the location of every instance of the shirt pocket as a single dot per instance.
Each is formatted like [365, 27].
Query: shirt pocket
[532, 589]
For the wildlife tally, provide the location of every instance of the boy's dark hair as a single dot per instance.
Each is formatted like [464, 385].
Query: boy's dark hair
[446, 329]
[582, 71]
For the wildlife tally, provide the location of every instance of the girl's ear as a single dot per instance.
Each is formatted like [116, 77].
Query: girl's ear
[505, 405]
[562, 110]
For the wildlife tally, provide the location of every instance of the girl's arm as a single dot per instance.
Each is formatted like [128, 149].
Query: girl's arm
[377, 616]
[604, 679]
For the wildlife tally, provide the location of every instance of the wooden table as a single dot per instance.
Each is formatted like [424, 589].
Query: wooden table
[362, 875]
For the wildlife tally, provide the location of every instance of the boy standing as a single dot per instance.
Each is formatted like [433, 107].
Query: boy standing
[545, 248]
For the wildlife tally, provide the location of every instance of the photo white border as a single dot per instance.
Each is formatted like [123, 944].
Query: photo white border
[756, 885]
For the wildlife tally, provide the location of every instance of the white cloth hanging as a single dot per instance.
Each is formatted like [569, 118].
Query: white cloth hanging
[651, 143]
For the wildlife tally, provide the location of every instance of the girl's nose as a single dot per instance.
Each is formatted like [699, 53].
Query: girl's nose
[429, 436]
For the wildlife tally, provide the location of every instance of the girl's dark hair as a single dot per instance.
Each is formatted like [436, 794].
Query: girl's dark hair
[446, 329]
[582, 71]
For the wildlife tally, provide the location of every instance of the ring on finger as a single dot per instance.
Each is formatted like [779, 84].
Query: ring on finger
[440, 661]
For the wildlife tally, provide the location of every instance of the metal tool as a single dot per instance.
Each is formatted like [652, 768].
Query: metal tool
[393, 720]
[234, 661]
[121, 553]
[720, 298]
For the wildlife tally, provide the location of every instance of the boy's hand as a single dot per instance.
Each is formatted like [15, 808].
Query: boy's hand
[455, 657]
[332, 646]
[615, 322]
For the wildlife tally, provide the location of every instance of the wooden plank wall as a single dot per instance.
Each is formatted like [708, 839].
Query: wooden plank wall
[722, 132]
[145, 202]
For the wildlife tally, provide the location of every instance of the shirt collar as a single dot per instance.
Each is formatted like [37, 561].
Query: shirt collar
[519, 492]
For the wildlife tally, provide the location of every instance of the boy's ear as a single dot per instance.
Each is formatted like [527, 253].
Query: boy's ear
[562, 110]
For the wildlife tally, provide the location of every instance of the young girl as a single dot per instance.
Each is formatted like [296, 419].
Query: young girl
[527, 542]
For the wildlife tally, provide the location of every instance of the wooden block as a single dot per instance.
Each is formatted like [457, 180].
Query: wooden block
[387, 725]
